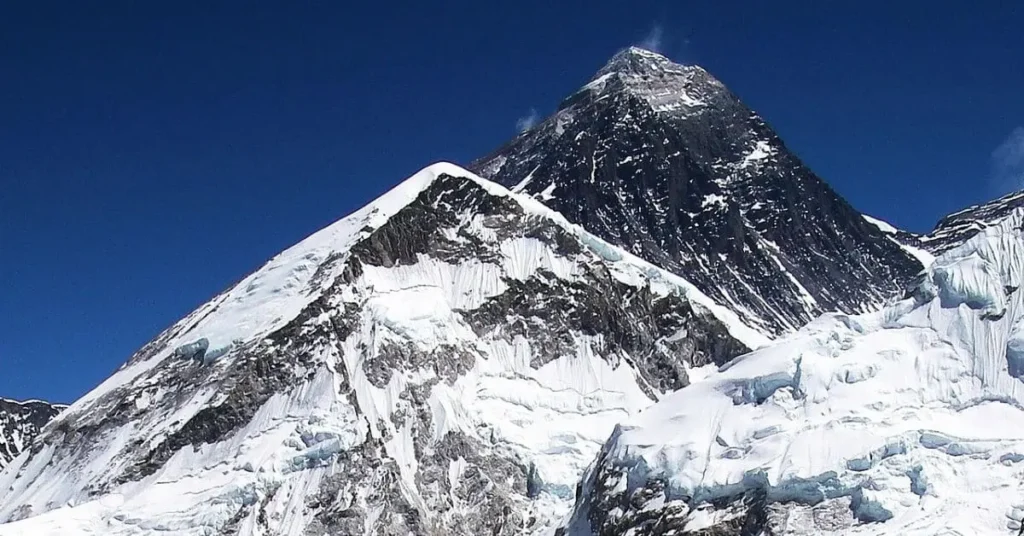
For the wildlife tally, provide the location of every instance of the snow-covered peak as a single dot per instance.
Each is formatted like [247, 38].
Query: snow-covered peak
[29, 402]
[278, 291]
[666, 86]
[905, 421]
[447, 359]
[274, 294]
[883, 226]
[638, 51]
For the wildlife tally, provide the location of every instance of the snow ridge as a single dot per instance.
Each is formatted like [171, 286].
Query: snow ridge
[904, 421]
[448, 358]
[908, 242]
[954, 229]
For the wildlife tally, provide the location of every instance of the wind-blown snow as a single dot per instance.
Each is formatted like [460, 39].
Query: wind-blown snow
[916, 412]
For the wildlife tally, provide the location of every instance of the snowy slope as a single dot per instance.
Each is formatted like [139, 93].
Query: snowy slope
[20, 422]
[909, 242]
[663, 160]
[446, 360]
[908, 421]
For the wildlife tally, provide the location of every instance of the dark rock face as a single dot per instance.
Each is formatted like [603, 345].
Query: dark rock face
[633, 321]
[20, 423]
[960, 226]
[259, 380]
[664, 161]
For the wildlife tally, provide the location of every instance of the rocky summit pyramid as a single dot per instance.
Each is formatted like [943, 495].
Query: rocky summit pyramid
[662, 160]
[446, 360]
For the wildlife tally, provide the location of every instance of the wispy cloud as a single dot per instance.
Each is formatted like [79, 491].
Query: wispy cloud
[1008, 162]
[527, 121]
[654, 39]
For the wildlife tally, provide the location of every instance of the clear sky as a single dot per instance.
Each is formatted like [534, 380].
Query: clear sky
[151, 156]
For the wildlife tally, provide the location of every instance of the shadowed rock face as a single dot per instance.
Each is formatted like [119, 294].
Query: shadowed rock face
[20, 423]
[633, 322]
[662, 160]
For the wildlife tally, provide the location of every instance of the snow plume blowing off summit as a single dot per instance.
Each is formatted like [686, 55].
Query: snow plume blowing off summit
[1008, 162]
[446, 360]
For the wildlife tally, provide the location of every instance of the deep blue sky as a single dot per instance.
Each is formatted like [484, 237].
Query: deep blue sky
[150, 156]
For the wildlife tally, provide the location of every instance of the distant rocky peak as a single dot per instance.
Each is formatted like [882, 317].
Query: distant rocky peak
[662, 159]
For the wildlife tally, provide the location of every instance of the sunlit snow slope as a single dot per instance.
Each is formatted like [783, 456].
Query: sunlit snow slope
[906, 421]
[446, 360]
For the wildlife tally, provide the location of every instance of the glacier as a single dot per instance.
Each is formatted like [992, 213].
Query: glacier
[909, 420]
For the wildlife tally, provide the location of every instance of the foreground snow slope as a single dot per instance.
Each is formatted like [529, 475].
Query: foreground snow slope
[446, 360]
[906, 421]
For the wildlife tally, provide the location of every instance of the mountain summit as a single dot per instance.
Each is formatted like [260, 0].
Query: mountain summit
[634, 59]
[661, 159]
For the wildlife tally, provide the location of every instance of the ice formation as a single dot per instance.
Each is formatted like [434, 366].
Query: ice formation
[905, 421]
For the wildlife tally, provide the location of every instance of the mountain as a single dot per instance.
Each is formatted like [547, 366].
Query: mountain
[661, 159]
[586, 350]
[446, 360]
[960, 226]
[907, 421]
[20, 422]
